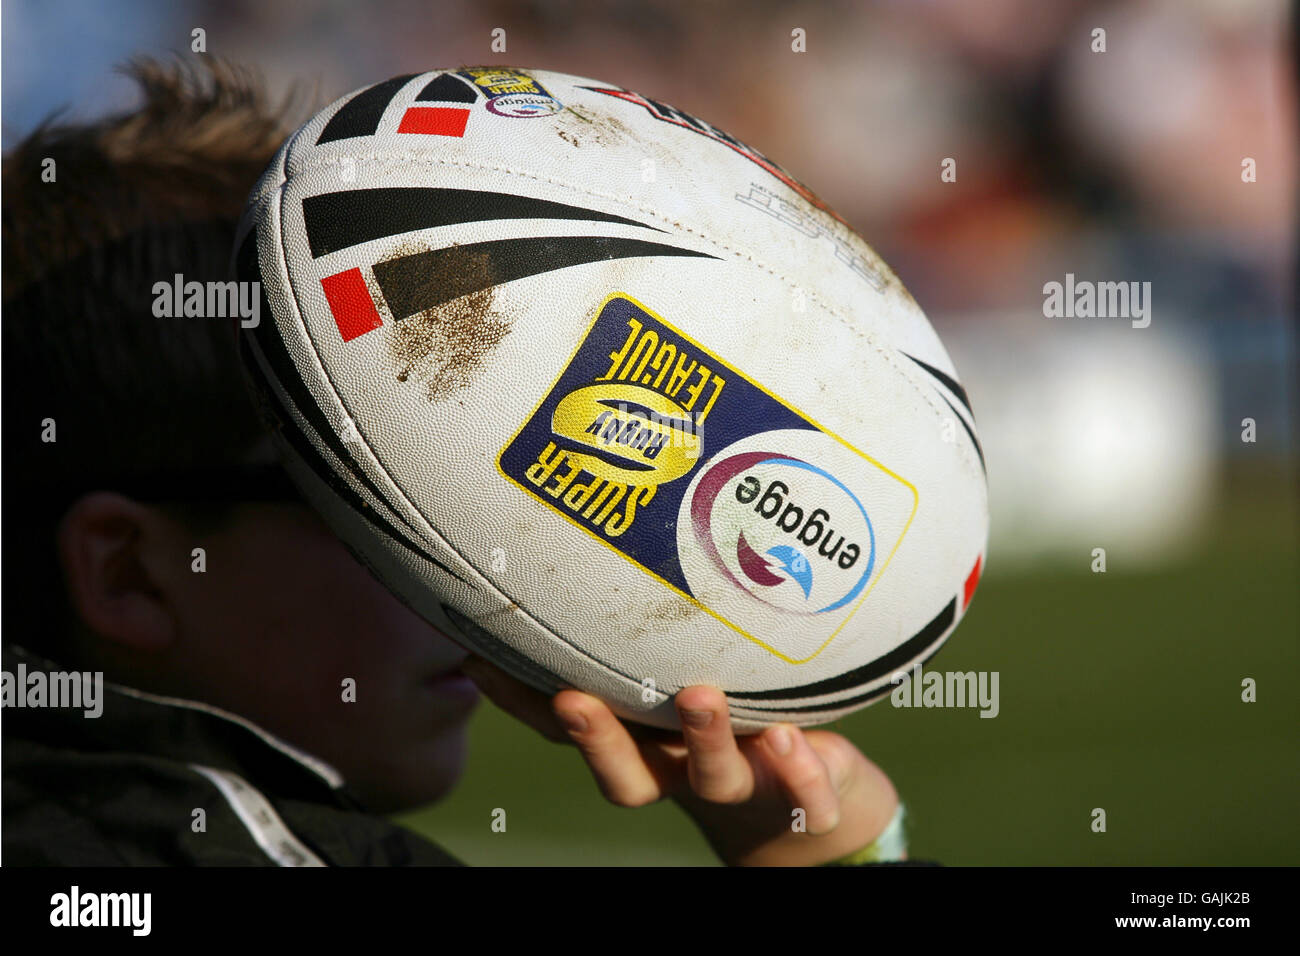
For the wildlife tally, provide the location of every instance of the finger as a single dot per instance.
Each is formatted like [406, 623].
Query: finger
[515, 697]
[802, 775]
[717, 770]
[857, 781]
[604, 742]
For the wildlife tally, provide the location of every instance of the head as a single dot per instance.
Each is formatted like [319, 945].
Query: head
[148, 530]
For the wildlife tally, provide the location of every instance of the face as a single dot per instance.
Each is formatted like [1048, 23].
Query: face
[287, 629]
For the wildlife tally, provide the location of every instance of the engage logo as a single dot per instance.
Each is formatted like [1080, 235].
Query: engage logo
[786, 532]
[786, 546]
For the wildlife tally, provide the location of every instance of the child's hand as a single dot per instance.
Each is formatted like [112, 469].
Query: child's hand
[742, 792]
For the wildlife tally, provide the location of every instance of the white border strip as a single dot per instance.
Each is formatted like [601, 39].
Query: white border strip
[314, 764]
[257, 814]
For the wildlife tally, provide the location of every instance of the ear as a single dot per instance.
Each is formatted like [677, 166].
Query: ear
[112, 549]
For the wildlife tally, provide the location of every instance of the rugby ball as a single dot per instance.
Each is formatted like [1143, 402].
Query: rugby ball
[610, 397]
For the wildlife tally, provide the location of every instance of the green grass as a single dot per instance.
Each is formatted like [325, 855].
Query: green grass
[1120, 691]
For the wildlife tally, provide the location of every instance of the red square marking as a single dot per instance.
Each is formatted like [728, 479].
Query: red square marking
[354, 311]
[972, 579]
[434, 120]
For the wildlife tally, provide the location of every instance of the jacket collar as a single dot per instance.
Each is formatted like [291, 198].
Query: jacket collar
[169, 728]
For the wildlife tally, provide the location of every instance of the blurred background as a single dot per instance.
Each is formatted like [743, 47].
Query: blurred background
[1119, 690]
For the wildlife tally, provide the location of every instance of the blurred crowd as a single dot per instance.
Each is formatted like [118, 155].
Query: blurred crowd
[1055, 143]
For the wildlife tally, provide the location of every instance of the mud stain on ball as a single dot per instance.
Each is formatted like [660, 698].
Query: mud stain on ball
[443, 348]
[674, 610]
[580, 126]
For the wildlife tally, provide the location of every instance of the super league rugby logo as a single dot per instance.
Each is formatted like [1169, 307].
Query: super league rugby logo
[662, 451]
[788, 533]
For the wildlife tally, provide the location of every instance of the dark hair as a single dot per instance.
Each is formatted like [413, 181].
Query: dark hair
[94, 215]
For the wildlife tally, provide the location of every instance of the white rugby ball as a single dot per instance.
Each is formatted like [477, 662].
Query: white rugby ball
[610, 397]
